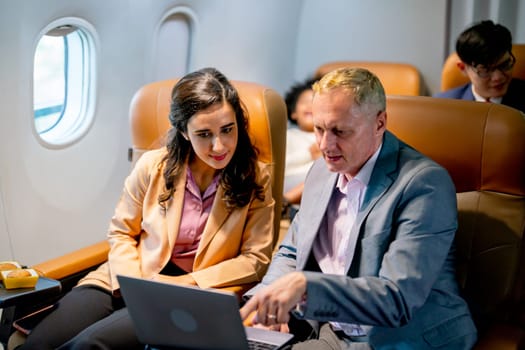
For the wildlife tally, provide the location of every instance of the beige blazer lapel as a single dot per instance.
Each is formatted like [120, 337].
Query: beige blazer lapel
[218, 215]
[174, 210]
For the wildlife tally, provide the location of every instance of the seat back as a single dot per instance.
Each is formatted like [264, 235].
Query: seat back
[267, 126]
[482, 145]
[452, 77]
[397, 78]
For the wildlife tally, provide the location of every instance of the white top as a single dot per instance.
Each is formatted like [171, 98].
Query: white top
[298, 157]
[482, 99]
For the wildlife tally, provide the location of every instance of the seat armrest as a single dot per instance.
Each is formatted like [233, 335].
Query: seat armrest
[74, 262]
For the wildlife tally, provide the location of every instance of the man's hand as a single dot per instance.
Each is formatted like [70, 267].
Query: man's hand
[273, 303]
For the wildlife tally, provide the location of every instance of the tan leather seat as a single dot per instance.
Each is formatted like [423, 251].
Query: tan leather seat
[267, 126]
[482, 145]
[149, 123]
[452, 77]
[397, 78]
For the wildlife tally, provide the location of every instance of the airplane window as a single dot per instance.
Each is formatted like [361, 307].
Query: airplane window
[63, 84]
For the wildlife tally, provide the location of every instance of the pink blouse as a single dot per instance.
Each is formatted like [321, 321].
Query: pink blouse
[195, 213]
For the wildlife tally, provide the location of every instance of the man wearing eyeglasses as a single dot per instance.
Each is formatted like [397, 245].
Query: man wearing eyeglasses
[485, 51]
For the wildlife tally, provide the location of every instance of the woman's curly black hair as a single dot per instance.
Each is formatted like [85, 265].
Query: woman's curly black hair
[292, 95]
[195, 92]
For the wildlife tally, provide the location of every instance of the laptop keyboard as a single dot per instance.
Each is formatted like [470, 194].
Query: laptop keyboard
[256, 345]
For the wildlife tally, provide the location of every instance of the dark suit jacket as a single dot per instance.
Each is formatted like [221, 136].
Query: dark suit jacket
[515, 96]
[401, 285]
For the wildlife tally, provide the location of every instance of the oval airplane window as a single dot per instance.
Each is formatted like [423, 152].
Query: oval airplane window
[64, 82]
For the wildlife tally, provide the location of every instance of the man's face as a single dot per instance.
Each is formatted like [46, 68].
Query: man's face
[492, 81]
[346, 135]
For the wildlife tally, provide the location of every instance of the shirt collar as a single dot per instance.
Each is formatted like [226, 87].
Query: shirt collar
[364, 174]
[479, 98]
[191, 185]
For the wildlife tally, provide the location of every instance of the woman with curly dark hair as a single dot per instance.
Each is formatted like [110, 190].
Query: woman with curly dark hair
[301, 147]
[196, 212]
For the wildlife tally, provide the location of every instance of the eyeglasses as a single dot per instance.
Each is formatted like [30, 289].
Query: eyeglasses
[505, 66]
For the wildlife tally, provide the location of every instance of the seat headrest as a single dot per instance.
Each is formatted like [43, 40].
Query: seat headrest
[397, 78]
[482, 145]
[150, 107]
[266, 110]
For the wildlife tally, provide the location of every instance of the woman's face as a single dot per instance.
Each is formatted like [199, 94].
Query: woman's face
[303, 111]
[213, 135]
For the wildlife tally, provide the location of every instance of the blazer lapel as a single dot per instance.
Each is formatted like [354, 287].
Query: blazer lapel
[218, 215]
[312, 216]
[174, 210]
[380, 181]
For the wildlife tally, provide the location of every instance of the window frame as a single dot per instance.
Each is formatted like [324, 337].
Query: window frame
[191, 19]
[79, 125]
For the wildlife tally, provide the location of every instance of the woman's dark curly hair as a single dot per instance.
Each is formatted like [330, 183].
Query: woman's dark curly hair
[195, 92]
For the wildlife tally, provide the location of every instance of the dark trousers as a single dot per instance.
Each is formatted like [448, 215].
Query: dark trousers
[85, 318]
[329, 340]
[88, 317]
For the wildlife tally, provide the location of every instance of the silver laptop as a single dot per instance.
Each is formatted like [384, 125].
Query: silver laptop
[166, 315]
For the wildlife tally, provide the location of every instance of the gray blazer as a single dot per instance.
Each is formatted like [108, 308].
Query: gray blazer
[401, 284]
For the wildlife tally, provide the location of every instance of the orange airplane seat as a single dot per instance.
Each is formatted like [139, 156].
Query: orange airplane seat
[397, 78]
[149, 124]
[482, 145]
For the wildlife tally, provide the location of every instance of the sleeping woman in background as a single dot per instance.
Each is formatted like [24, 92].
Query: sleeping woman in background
[301, 147]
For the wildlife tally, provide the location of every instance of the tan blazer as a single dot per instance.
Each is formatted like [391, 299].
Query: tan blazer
[235, 247]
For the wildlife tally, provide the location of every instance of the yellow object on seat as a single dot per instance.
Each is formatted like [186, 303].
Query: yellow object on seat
[452, 76]
[482, 145]
[19, 278]
[397, 78]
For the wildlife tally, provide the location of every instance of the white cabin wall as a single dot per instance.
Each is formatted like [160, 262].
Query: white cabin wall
[408, 31]
[56, 201]
[59, 200]
[419, 32]
[248, 40]
[510, 13]
[519, 33]
[5, 245]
